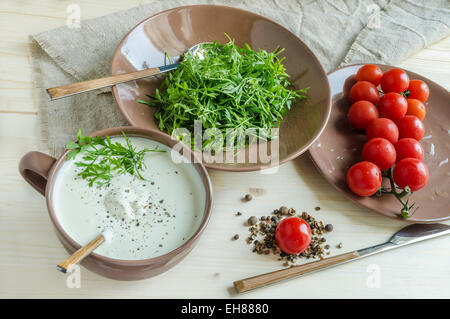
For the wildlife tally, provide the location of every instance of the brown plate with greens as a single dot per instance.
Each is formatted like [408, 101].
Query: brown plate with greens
[172, 32]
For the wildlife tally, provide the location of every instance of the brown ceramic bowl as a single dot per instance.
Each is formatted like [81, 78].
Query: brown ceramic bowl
[175, 30]
[339, 147]
[39, 170]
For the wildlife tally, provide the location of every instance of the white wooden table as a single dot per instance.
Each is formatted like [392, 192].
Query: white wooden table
[29, 249]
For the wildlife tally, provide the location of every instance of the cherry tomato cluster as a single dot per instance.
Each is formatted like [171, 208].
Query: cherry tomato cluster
[389, 108]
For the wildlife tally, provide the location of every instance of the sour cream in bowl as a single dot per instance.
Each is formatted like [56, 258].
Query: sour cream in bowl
[155, 215]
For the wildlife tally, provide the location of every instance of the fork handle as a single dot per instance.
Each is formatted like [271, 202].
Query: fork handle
[85, 86]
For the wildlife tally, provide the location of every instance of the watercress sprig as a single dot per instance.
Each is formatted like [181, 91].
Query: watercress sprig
[103, 159]
[226, 87]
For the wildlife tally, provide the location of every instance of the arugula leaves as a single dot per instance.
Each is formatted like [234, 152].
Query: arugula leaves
[226, 87]
[103, 159]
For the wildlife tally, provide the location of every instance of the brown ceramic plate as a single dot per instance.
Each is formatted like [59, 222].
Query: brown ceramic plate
[175, 30]
[339, 147]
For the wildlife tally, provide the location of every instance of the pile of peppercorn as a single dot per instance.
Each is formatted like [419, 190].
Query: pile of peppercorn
[262, 235]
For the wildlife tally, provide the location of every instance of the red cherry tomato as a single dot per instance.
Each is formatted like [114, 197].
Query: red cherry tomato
[410, 172]
[293, 235]
[410, 126]
[393, 106]
[408, 148]
[416, 107]
[418, 90]
[394, 80]
[370, 73]
[361, 113]
[379, 151]
[384, 128]
[364, 91]
[364, 178]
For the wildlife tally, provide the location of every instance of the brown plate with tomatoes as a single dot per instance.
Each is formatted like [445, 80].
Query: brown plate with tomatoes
[340, 147]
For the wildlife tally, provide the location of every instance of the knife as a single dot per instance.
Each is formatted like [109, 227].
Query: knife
[405, 236]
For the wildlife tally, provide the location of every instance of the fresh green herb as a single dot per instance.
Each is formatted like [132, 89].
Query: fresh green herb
[226, 87]
[103, 159]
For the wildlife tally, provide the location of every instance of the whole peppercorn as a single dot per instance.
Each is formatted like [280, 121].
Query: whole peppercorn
[329, 227]
[248, 197]
[284, 210]
[252, 220]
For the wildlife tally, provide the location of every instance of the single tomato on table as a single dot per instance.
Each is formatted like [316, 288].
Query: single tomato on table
[379, 151]
[382, 127]
[392, 106]
[293, 235]
[418, 90]
[394, 80]
[364, 91]
[410, 126]
[370, 73]
[361, 114]
[408, 148]
[412, 173]
[364, 178]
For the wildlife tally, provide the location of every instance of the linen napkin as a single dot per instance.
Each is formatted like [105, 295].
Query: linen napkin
[338, 31]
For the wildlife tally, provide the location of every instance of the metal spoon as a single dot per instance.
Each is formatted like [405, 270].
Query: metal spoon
[85, 86]
[407, 235]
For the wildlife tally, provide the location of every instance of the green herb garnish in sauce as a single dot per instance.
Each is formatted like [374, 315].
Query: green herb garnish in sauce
[102, 159]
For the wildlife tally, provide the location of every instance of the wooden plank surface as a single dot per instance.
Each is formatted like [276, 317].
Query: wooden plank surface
[29, 249]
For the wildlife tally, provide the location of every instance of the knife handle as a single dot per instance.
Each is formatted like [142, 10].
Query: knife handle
[75, 88]
[275, 276]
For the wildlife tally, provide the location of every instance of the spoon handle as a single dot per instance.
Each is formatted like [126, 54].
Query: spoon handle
[85, 86]
[80, 254]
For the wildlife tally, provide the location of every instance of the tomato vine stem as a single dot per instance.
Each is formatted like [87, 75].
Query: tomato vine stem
[405, 212]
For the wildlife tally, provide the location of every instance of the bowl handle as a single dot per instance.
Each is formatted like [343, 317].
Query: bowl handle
[34, 168]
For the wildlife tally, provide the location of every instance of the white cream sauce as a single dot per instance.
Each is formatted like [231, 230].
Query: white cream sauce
[147, 218]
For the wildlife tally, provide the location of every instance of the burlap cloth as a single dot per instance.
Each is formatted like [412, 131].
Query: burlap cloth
[338, 31]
